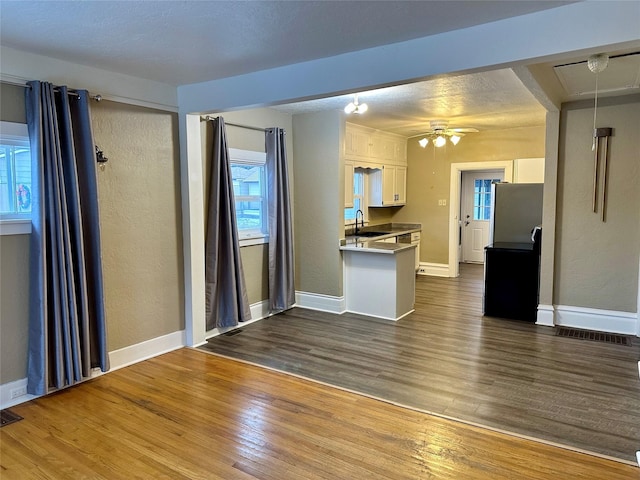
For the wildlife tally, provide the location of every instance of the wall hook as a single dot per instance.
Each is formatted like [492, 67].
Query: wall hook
[100, 158]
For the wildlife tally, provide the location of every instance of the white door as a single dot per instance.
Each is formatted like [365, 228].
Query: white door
[475, 214]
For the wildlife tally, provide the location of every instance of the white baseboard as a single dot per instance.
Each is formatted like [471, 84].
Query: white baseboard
[545, 315]
[126, 356]
[5, 393]
[434, 269]
[324, 303]
[118, 359]
[259, 310]
[595, 319]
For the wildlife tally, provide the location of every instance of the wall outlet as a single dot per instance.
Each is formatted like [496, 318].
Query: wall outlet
[422, 270]
[442, 202]
[18, 392]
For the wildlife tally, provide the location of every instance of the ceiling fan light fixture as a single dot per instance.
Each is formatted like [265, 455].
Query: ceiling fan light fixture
[423, 142]
[350, 108]
[454, 139]
[355, 107]
[440, 141]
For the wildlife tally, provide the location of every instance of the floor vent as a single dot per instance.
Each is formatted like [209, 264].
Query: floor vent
[605, 337]
[231, 333]
[7, 417]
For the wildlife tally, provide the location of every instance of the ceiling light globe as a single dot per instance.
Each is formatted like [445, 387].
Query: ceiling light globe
[440, 141]
[363, 107]
[350, 108]
[454, 139]
[423, 143]
[597, 63]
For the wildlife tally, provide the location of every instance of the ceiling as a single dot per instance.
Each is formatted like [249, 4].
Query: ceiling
[486, 101]
[183, 42]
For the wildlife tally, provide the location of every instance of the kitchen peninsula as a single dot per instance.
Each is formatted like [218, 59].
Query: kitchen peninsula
[379, 272]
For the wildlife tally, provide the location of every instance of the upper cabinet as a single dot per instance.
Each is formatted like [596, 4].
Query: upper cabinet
[388, 186]
[362, 144]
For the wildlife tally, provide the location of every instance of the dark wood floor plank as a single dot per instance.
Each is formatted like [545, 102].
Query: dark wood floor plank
[448, 359]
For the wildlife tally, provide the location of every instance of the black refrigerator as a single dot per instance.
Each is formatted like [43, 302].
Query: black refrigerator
[512, 258]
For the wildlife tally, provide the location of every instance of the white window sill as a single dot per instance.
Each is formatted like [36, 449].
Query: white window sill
[246, 242]
[15, 226]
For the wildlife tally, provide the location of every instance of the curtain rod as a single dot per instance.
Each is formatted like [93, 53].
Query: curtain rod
[70, 91]
[248, 127]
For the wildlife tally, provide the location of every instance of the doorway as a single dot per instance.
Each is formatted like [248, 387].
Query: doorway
[455, 184]
[475, 213]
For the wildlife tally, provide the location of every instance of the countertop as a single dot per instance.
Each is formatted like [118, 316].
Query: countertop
[374, 244]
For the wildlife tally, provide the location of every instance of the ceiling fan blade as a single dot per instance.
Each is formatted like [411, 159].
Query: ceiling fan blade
[465, 130]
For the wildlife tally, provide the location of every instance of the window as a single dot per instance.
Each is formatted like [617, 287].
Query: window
[15, 179]
[482, 198]
[358, 197]
[248, 171]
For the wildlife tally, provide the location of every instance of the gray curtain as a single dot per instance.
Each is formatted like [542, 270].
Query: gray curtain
[281, 261]
[226, 297]
[67, 330]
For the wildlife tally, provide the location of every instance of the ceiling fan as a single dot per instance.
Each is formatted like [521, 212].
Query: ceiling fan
[440, 131]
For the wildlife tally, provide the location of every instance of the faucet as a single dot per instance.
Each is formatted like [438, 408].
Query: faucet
[361, 221]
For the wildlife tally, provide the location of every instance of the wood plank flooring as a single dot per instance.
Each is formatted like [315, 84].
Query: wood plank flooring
[447, 359]
[191, 415]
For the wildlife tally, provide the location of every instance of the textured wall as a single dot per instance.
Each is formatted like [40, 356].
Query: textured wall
[319, 201]
[14, 306]
[428, 179]
[140, 215]
[12, 108]
[597, 263]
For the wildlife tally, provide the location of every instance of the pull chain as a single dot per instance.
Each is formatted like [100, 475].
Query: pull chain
[595, 113]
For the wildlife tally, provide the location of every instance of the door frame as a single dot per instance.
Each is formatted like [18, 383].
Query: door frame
[454, 201]
[463, 196]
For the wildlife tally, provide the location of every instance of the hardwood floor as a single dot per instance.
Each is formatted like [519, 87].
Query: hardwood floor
[447, 359]
[191, 415]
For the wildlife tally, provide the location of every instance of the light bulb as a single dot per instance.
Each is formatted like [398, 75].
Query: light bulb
[350, 108]
[423, 143]
[440, 141]
[454, 139]
[363, 107]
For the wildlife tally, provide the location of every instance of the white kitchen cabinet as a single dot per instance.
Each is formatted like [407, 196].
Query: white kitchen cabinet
[348, 184]
[388, 186]
[374, 146]
[357, 143]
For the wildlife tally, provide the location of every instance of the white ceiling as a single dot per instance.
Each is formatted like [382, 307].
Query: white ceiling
[486, 101]
[183, 42]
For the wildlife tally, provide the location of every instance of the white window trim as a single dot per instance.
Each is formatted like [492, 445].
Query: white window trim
[365, 202]
[15, 224]
[237, 155]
